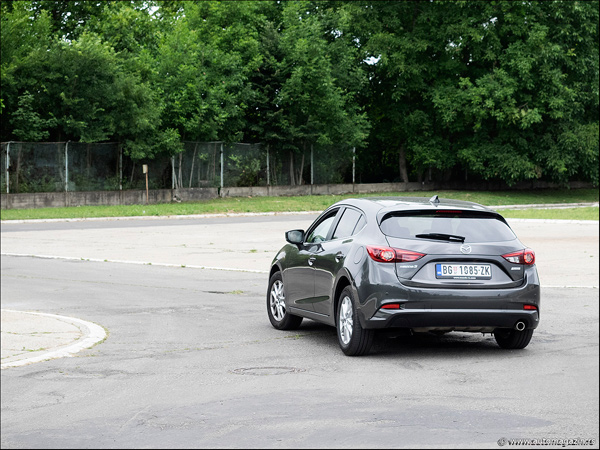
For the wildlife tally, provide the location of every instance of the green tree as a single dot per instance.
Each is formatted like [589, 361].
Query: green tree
[132, 30]
[68, 18]
[81, 89]
[26, 122]
[83, 85]
[497, 90]
[203, 67]
[306, 87]
[20, 35]
[500, 89]
[404, 53]
[528, 105]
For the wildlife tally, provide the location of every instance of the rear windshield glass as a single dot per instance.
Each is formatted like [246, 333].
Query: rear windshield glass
[474, 227]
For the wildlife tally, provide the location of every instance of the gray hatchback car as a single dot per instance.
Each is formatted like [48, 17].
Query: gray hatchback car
[418, 264]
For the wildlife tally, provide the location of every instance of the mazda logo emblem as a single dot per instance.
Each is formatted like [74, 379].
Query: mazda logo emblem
[465, 249]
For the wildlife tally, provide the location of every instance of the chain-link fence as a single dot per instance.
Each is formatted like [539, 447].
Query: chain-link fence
[159, 173]
[33, 167]
[75, 166]
[316, 165]
[93, 167]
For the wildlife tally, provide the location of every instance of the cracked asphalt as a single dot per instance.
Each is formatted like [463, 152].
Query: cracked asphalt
[190, 360]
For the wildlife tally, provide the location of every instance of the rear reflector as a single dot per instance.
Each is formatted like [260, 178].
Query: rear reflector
[391, 306]
[395, 255]
[526, 256]
[530, 307]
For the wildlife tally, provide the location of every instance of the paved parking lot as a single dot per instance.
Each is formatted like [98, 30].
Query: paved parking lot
[566, 251]
[191, 360]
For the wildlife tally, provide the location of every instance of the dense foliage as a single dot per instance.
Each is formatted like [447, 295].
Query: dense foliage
[445, 90]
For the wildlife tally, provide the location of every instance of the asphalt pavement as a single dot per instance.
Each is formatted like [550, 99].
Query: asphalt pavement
[566, 252]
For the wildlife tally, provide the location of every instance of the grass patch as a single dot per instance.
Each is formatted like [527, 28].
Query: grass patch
[295, 204]
[559, 214]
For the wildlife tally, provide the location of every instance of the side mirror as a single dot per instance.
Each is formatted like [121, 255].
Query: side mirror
[295, 237]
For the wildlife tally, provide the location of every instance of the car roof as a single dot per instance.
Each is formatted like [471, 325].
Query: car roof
[380, 206]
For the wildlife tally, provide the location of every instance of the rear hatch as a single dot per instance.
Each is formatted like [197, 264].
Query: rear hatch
[459, 248]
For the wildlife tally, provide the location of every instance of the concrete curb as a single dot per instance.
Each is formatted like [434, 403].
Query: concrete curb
[178, 217]
[76, 334]
[547, 206]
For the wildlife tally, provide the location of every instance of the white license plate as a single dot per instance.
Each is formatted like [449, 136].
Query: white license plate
[464, 271]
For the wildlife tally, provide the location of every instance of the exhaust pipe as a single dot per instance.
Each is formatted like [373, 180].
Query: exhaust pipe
[520, 325]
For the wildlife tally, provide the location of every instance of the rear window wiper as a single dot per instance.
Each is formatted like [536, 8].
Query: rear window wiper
[442, 237]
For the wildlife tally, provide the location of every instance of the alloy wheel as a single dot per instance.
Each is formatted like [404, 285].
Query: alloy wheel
[346, 321]
[277, 301]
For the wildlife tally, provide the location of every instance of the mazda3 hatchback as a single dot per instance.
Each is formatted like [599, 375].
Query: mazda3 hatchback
[423, 265]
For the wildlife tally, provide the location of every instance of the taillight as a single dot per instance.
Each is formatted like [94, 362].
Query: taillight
[530, 307]
[526, 256]
[395, 255]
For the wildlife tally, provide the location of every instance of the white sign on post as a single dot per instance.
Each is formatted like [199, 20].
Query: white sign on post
[145, 170]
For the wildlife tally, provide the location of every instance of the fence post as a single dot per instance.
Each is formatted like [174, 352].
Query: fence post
[172, 173]
[312, 166]
[7, 164]
[120, 167]
[221, 168]
[353, 164]
[67, 166]
[268, 170]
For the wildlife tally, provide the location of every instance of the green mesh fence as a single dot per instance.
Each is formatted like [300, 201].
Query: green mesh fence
[198, 165]
[316, 165]
[33, 167]
[244, 165]
[93, 167]
[75, 166]
[3, 167]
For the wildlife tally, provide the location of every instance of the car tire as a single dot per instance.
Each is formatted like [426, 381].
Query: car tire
[354, 340]
[513, 339]
[277, 309]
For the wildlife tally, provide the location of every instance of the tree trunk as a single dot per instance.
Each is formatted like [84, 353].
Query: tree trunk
[292, 171]
[214, 165]
[299, 178]
[402, 164]
[180, 171]
[118, 165]
[132, 172]
[18, 170]
[193, 160]
[88, 161]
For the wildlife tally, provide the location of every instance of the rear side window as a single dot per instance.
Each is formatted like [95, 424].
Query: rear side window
[350, 223]
[474, 227]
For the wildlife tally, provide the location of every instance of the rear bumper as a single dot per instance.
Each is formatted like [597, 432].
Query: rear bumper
[483, 320]
[447, 309]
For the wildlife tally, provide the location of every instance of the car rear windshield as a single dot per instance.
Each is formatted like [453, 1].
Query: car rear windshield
[472, 226]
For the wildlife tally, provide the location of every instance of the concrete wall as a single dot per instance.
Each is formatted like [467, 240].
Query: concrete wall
[95, 198]
[92, 198]
[324, 189]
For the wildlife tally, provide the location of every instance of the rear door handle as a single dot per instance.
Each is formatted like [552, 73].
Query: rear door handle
[311, 260]
[339, 256]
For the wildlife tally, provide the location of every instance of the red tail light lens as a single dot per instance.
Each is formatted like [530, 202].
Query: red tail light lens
[395, 255]
[530, 307]
[529, 256]
[526, 256]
